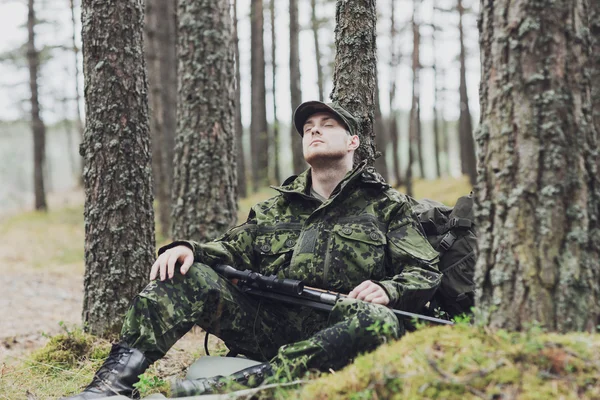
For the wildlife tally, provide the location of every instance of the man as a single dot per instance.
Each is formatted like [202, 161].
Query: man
[333, 227]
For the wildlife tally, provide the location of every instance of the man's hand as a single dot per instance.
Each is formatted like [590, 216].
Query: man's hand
[166, 262]
[370, 292]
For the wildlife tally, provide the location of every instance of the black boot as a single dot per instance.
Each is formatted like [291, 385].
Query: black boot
[252, 376]
[117, 375]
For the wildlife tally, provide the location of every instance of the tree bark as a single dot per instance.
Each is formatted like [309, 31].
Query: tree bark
[538, 193]
[37, 124]
[594, 24]
[119, 219]
[465, 126]
[204, 184]
[295, 90]
[355, 68]
[315, 25]
[239, 127]
[258, 122]
[275, 129]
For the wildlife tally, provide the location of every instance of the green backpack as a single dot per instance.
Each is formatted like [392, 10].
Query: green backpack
[451, 231]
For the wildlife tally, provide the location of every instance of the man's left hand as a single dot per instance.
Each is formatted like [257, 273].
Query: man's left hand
[370, 292]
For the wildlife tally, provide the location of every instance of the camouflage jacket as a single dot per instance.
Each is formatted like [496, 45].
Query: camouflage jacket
[365, 230]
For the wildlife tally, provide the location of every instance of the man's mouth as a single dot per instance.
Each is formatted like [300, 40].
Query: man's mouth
[316, 141]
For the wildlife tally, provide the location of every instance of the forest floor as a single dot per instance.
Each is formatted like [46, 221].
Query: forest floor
[41, 276]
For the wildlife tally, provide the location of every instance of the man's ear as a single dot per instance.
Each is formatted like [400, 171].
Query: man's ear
[353, 142]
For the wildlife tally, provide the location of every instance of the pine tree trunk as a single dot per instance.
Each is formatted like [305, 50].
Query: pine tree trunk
[78, 119]
[259, 142]
[37, 124]
[239, 127]
[275, 129]
[119, 219]
[393, 124]
[381, 136]
[204, 184]
[436, 125]
[414, 119]
[416, 106]
[314, 24]
[465, 126]
[538, 194]
[355, 68]
[595, 60]
[295, 90]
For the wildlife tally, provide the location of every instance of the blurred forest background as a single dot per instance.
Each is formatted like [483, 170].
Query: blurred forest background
[426, 45]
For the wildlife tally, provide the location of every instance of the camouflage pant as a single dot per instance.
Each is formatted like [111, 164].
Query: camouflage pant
[298, 337]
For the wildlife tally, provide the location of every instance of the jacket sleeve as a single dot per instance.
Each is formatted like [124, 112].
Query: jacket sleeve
[411, 263]
[235, 247]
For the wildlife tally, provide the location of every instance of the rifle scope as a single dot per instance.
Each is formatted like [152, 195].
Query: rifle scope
[254, 279]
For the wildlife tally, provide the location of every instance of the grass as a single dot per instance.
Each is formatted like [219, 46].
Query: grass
[53, 241]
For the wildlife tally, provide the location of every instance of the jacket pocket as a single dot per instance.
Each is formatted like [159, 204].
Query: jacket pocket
[274, 250]
[357, 253]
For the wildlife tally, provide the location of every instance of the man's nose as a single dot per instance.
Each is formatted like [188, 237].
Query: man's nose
[315, 130]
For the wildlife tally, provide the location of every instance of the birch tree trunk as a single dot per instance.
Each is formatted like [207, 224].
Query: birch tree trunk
[538, 194]
[119, 219]
[355, 68]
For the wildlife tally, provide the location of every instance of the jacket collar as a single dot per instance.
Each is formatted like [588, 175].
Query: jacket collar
[361, 173]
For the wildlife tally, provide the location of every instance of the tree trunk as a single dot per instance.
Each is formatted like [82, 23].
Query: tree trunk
[204, 185]
[315, 24]
[539, 191]
[595, 60]
[416, 106]
[119, 219]
[239, 127]
[37, 124]
[166, 36]
[275, 129]
[381, 136]
[78, 119]
[393, 128]
[258, 123]
[355, 68]
[436, 125]
[465, 126]
[295, 90]
[162, 74]
[414, 118]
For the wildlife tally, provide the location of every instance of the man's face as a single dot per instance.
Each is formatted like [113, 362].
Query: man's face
[326, 138]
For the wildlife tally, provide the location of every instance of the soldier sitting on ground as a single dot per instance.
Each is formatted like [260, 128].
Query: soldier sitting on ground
[334, 227]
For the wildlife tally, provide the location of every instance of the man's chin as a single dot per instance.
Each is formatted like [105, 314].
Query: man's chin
[317, 158]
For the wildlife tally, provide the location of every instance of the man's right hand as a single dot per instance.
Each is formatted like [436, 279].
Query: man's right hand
[165, 263]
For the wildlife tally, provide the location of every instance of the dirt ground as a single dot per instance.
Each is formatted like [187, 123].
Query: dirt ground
[39, 302]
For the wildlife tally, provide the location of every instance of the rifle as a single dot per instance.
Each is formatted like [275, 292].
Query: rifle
[294, 292]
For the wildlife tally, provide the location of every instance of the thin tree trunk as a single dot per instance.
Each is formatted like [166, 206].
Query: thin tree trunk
[295, 90]
[314, 23]
[239, 127]
[381, 136]
[538, 194]
[414, 119]
[78, 120]
[355, 68]
[258, 122]
[119, 218]
[467, 144]
[436, 125]
[37, 124]
[204, 185]
[393, 128]
[275, 141]
[416, 107]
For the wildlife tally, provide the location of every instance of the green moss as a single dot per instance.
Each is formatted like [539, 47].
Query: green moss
[464, 362]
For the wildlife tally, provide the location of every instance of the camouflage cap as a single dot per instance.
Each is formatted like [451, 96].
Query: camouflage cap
[308, 108]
